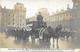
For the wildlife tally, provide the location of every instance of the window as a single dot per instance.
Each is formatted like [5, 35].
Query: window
[13, 23]
[8, 23]
[13, 19]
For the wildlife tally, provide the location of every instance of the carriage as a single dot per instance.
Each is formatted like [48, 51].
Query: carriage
[39, 30]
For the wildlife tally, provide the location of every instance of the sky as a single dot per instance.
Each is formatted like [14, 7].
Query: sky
[32, 6]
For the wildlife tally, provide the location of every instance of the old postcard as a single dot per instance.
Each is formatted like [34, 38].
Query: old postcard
[51, 25]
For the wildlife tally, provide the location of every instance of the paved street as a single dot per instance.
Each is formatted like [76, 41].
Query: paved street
[9, 43]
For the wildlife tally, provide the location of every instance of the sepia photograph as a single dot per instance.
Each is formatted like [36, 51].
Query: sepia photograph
[40, 25]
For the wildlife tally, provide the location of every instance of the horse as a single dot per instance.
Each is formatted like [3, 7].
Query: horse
[66, 34]
[49, 32]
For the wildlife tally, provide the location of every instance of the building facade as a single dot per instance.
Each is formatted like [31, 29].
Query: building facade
[13, 17]
[63, 17]
[75, 12]
[55, 19]
[69, 18]
[0, 20]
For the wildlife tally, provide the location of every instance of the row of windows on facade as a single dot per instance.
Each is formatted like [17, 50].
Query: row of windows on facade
[10, 14]
[63, 15]
[15, 24]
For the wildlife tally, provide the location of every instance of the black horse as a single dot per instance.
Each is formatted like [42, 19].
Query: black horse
[54, 33]
[66, 34]
[49, 32]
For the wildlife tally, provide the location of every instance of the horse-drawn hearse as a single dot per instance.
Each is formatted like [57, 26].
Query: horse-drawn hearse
[40, 31]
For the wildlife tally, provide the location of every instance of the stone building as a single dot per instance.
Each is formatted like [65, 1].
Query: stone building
[75, 22]
[55, 19]
[69, 18]
[75, 12]
[13, 17]
[63, 17]
[19, 16]
[0, 20]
